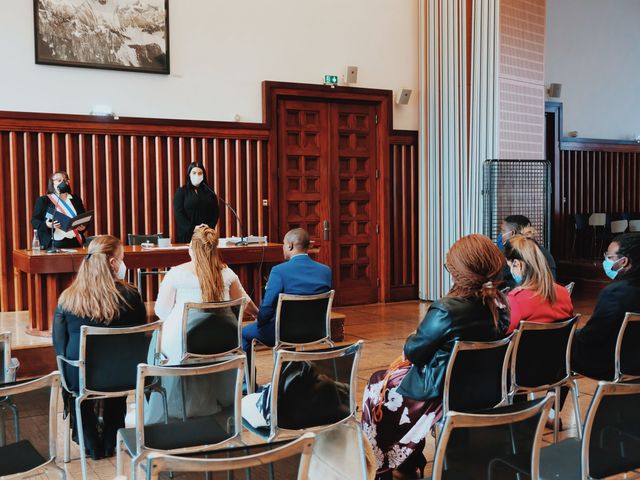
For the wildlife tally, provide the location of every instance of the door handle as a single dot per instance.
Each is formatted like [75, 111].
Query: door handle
[326, 229]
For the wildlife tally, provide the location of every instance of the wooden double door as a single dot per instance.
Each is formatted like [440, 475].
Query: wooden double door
[327, 178]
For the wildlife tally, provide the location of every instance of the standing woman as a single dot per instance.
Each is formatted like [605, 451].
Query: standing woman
[98, 297]
[194, 203]
[58, 198]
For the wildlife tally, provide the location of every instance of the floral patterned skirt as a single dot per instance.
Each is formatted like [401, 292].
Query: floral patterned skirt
[405, 422]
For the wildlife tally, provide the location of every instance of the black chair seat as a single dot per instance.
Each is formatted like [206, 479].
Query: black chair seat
[19, 457]
[190, 433]
[561, 460]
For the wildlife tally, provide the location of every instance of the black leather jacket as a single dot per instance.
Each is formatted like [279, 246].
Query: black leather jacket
[429, 349]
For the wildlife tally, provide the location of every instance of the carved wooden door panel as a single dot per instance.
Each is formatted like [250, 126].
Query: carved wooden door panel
[303, 150]
[327, 161]
[355, 235]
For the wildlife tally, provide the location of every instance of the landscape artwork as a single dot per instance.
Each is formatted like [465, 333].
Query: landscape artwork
[113, 34]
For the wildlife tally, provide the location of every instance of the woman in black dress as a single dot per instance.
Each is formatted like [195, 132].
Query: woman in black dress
[98, 297]
[59, 198]
[194, 203]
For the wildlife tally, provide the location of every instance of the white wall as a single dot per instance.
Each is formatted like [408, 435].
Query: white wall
[593, 50]
[221, 50]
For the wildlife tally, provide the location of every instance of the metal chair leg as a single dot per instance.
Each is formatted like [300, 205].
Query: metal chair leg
[67, 437]
[119, 453]
[556, 419]
[576, 407]
[83, 456]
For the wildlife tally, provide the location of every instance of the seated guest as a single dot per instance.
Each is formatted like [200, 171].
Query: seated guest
[520, 225]
[536, 297]
[594, 345]
[299, 275]
[206, 278]
[98, 297]
[402, 404]
[58, 198]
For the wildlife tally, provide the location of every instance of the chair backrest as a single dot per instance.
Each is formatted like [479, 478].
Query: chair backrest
[28, 437]
[619, 226]
[340, 449]
[627, 354]
[135, 239]
[570, 286]
[203, 410]
[581, 221]
[476, 375]
[213, 329]
[542, 354]
[313, 390]
[471, 445]
[242, 458]
[634, 225]
[109, 357]
[611, 441]
[597, 219]
[303, 319]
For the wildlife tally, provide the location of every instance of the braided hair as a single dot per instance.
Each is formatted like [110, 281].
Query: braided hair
[476, 265]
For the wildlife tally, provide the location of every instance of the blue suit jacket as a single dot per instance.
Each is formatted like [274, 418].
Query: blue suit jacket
[299, 276]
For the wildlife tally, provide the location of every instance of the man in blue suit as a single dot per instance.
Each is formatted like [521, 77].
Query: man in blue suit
[298, 275]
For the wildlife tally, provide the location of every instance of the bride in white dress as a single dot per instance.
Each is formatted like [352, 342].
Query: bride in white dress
[204, 279]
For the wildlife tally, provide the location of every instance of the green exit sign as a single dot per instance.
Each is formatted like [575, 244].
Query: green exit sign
[331, 80]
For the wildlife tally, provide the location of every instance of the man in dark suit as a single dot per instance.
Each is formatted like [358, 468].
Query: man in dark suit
[298, 275]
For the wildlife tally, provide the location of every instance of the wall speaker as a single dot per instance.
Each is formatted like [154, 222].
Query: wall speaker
[403, 96]
[555, 89]
[352, 74]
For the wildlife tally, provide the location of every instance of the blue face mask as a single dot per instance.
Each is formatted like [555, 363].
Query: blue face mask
[499, 242]
[607, 265]
[517, 278]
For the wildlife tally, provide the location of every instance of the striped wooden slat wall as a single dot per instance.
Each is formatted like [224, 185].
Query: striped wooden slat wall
[127, 172]
[521, 79]
[404, 215]
[594, 178]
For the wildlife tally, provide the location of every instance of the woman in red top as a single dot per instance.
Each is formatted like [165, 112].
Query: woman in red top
[537, 298]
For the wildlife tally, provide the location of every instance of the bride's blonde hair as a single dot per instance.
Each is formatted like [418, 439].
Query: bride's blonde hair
[94, 293]
[208, 264]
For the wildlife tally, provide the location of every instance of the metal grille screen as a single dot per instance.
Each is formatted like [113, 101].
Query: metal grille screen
[517, 187]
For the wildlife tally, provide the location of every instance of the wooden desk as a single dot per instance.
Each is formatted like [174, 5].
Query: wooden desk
[48, 274]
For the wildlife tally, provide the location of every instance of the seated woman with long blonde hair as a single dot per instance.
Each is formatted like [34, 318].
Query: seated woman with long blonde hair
[206, 278]
[97, 297]
[536, 297]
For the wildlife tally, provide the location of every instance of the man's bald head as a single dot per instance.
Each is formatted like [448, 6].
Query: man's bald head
[296, 241]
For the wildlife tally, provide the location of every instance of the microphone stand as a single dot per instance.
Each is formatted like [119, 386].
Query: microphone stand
[53, 248]
[243, 239]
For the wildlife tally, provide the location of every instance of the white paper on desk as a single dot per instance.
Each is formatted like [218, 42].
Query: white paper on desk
[249, 239]
[68, 250]
[177, 247]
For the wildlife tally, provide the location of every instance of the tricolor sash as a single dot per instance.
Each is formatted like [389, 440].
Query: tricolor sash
[65, 209]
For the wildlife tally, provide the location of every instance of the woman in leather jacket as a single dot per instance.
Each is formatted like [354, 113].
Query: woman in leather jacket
[402, 403]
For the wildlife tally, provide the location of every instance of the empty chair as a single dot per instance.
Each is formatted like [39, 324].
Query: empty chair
[284, 460]
[541, 361]
[309, 391]
[627, 356]
[135, 239]
[107, 368]
[496, 444]
[301, 321]
[200, 424]
[598, 221]
[611, 442]
[31, 450]
[634, 225]
[619, 226]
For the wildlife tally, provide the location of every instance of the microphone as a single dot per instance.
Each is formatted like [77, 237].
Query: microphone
[49, 215]
[243, 239]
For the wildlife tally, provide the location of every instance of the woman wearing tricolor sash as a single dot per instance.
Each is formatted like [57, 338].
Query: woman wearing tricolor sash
[58, 199]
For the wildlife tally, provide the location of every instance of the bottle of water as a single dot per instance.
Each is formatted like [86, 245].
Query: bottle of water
[35, 243]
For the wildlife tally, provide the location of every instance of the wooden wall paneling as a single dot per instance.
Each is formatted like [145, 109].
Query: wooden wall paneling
[5, 243]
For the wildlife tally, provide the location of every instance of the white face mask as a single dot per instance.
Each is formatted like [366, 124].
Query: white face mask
[196, 179]
[122, 271]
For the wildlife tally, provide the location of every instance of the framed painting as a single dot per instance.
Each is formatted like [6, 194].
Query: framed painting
[130, 35]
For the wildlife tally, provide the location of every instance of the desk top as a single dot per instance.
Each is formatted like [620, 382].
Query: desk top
[39, 261]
